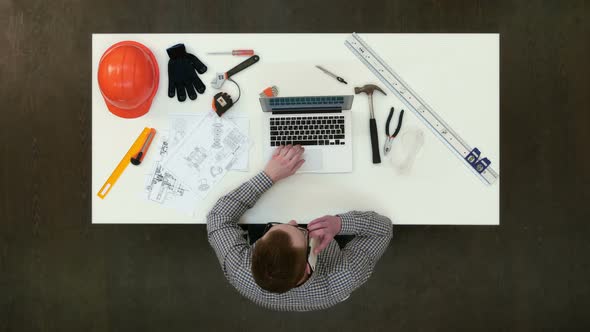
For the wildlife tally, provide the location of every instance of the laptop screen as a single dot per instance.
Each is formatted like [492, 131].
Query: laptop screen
[306, 103]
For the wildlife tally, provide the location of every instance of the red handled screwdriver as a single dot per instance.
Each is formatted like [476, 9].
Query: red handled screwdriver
[235, 52]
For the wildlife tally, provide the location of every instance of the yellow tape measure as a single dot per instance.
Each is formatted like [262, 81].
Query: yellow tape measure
[133, 150]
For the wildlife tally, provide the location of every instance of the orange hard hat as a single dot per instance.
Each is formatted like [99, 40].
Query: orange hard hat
[128, 78]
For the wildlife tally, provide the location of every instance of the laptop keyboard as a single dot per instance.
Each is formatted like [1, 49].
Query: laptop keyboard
[307, 130]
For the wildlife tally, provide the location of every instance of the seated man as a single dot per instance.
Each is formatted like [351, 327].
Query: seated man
[275, 272]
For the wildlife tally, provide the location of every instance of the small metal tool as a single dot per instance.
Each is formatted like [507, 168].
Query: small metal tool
[234, 52]
[389, 139]
[340, 79]
[220, 78]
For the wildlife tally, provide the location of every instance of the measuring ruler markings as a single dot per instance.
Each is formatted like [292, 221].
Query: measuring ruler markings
[471, 157]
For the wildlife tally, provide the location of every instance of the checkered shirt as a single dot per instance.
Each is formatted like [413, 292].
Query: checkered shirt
[337, 274]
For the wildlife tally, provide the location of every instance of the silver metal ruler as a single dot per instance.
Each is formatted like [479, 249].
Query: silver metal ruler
[470, 156]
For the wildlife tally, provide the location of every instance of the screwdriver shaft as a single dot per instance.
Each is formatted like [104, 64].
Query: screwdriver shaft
[234, 52]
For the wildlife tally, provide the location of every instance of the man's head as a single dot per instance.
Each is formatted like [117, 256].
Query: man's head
[279, 258]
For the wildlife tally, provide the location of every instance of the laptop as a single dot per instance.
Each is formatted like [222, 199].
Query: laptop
[322, 124]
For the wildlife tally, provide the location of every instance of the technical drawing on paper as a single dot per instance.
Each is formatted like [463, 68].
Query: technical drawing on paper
[204, 186]
[217, 131]
[215, 171]
[164, 148]
[231, 163]
[196, 158]
[162, 184]
[178, 130]
[233, 140]
[221, 155]
[181, 123]
[191, 161]
[164, 188]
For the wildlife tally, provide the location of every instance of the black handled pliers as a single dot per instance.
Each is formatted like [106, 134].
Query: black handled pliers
[389, 140]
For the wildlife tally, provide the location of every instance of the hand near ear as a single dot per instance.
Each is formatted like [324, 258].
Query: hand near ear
[324, 229]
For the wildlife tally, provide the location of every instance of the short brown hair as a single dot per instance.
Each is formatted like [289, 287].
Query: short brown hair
[277, 266]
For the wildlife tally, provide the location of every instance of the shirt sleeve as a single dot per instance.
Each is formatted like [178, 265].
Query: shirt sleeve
[223, 232]
[372, 235]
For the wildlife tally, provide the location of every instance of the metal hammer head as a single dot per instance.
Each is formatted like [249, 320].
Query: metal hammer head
[368, 89]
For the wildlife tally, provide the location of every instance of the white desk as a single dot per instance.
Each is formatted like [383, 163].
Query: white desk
[438, 190]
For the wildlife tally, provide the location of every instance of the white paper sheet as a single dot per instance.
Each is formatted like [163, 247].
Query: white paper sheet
[206, 152]
[180, 123]
[163, 187]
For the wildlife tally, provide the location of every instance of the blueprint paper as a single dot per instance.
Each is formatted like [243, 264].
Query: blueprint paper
[164, 188]
[206, 152]
[180, 123]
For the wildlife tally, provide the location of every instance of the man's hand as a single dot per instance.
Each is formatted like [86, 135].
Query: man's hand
[324, 229]
[286, 160]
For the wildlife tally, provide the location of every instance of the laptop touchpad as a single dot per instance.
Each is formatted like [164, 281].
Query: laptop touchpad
[314, 160]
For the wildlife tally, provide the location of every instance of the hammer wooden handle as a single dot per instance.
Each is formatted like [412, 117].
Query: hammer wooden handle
[374, 141]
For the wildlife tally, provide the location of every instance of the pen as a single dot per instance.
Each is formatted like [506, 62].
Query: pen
[340, 79]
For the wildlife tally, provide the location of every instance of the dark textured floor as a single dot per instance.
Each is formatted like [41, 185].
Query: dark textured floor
[60, 273]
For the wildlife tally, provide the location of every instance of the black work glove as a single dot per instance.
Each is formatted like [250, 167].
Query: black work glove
[181, 73]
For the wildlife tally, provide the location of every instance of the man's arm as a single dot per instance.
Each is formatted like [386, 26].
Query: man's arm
[372, 235]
